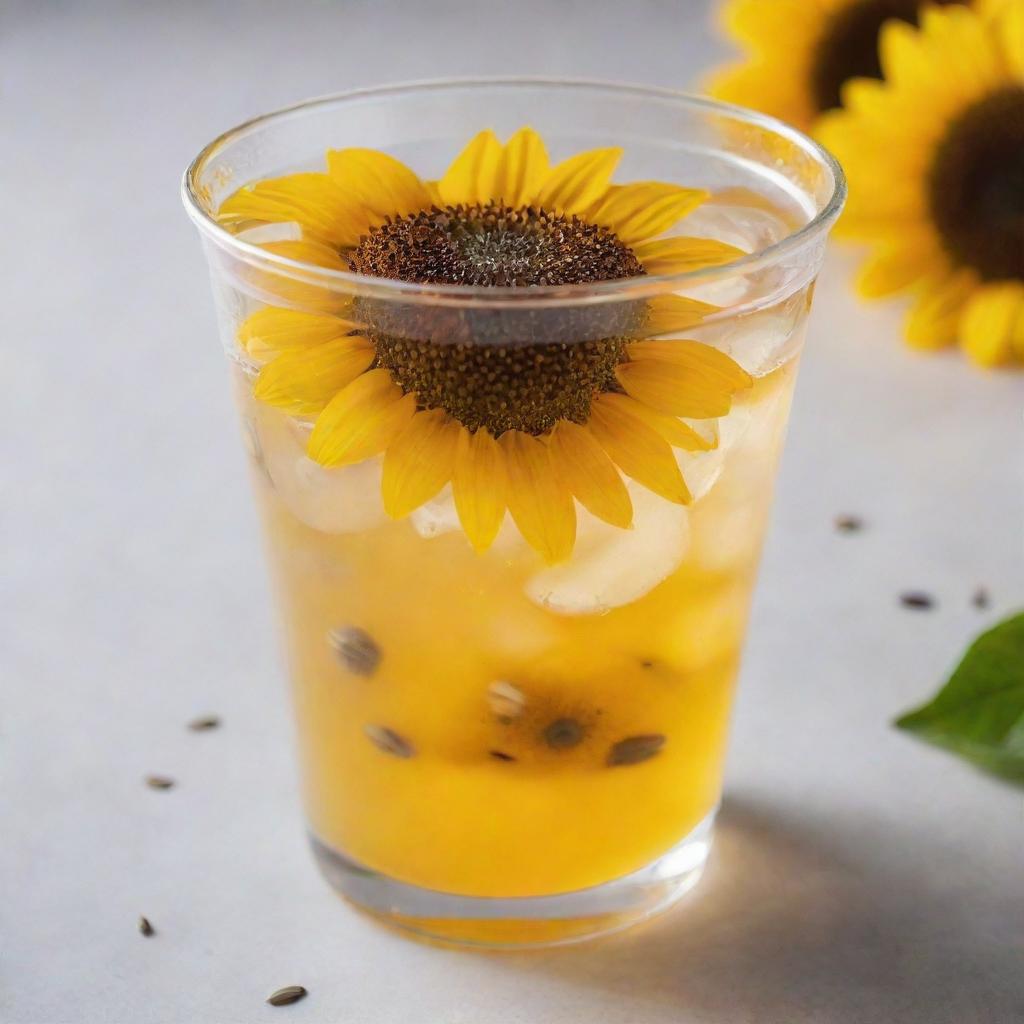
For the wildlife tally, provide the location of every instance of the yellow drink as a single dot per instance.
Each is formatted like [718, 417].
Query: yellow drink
[464, 737]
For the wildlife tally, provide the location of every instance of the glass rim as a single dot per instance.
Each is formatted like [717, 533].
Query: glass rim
[545, 296]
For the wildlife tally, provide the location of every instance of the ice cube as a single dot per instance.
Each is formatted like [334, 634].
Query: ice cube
[283, 231]
[437, 516]
[612, 567]
[342, 500]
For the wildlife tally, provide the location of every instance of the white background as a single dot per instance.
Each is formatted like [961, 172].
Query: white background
[860, 877]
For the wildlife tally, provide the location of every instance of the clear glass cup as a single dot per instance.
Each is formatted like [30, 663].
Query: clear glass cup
[496, 750]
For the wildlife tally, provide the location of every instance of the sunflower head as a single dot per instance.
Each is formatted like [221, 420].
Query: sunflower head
[935, 160]
[520, 407]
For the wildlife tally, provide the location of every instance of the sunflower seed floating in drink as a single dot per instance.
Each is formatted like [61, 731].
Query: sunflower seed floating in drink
[506, 702]
[563, 733]
[389, 741]
[287, 995]
[355, 649]
[500, 755]
[635, 749]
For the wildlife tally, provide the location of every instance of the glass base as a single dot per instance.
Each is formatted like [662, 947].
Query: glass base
[523, 922]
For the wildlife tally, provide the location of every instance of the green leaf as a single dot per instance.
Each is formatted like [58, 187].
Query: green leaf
[979, 713]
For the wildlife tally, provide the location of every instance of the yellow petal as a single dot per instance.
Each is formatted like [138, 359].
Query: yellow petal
[378, 182]
[676, 388]
[990, 321]
[636, 447]
[645, 209]
[522, 168]
[419, 462]
[304, 380]
[304, 251]
[1011, 28]
[304, 294]
[579, 182]
[704, 361]
[897, 264]
[361, 420]
[272, 329]
[473, 174]
[313, 201]
[678, 255]
[667, 313]
[934, 319]
[591, 476]
[676, 432]
[479, 486]
[538, 499]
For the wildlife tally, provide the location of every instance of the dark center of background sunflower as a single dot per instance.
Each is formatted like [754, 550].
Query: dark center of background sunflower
[976, 186]
[848, 46]
[466, 364]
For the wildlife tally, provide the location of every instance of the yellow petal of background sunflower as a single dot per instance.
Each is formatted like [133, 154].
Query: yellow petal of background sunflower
[419, 462]
[579, 182]
[636, 447]
[899, 263]
[272, 329]
[312, 200]
[538, 498]
[378, 182]
[361, 420]
[1011, 28]
[667, 313]
[473, 173]
[479, 486]
[522, 168]
[990, 322]
[934, 319]
[304, 380]
[677, 255]
[644, 209]
[590, 474]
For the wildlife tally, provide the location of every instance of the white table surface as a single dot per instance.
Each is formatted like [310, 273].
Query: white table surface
[859, 877]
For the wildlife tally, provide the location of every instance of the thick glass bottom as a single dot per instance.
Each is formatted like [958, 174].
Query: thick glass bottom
[526, 921]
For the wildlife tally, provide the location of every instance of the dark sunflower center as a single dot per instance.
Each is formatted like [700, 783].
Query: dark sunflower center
[506, 369]
[848, 47]
[976, 186]
[493, 245]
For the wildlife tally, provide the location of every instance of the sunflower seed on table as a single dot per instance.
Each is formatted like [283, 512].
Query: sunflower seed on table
[389, 741]
[563, 733]
[287, 995]
[634, 749]
[159, 782]
[917, 599]
[204, 723]
[849, 524]
[506, 701]
[145, 928]
[355, 649]
[981, 598]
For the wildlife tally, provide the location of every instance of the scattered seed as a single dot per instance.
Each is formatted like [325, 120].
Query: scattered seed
[981, 598]
[159, 782]
[849, 524]
[917, 599]
[202, 724]
[635, 749]
[287, 995]
[388, 741]
[500, 755]
[356, 649]
[563, 733]
[145, 927]
[506, 702]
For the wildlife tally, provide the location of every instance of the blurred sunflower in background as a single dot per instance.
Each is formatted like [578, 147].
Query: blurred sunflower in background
[935, 158]
[800, 53]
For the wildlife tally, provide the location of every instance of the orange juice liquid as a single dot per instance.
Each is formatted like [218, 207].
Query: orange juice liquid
[476, 663]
